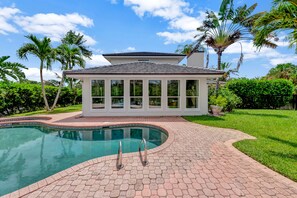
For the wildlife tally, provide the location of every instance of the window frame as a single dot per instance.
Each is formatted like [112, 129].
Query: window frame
[136, 97]
[114, 97]
[156, 97]
[171, 97]
[100, 97]
[197, 97]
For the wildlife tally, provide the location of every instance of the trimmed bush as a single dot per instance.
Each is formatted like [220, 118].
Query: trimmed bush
[23, 97]
[258, 94]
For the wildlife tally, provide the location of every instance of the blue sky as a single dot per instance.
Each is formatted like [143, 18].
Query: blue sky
[125, 25]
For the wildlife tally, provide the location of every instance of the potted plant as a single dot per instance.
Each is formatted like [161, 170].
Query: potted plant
[217, 103]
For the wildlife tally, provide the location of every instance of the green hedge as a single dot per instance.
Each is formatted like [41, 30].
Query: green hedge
[22, 97]
[258, 94]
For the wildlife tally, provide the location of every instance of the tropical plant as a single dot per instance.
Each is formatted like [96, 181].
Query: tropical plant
[229, 26]
[226, 66]
[69, 56]
[285, 71]
[12, 70]
[282, 17]
[185, 49]
[77, 40]
[41, 48]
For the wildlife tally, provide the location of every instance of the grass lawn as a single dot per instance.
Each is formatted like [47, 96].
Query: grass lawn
[68, 109]
[276, 133]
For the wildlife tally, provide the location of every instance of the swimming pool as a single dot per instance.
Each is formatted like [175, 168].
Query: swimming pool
[31, 153]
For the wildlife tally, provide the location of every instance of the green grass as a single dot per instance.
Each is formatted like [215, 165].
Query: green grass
[68, 109]
[276, 133]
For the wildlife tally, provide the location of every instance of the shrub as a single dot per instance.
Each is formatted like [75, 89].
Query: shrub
[23, 97]
[233, 100]
[218, 101]
[256, 93]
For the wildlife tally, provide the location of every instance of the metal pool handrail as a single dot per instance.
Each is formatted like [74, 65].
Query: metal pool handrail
[120, 158]
[144, 160]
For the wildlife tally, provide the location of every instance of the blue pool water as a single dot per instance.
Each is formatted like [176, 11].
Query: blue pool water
[31, 153]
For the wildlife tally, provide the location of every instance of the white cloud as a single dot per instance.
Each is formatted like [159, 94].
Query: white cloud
[6, 15]
[177, 37]
[181, 23]
[54, 25]
[130, 49]
[168, 9]
[33, 74]
[97, 60]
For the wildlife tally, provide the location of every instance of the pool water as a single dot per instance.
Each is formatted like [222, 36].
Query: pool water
[31, 153]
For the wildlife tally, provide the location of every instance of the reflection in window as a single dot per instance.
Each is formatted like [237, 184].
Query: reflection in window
[136, 94]
[173, 93]
[117, 94]
[117, 134]
[155, 93]
[98, 93]
[136, 133]
[192, 91]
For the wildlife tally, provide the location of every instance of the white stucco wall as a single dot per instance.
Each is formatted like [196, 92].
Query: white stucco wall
[196, 59]
[145, 111]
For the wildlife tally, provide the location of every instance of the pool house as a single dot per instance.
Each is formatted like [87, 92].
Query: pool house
[145, 84]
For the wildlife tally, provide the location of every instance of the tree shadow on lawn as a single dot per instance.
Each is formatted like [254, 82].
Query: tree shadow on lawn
[260, 114]
[284, 155]
[204, 118]
[293, 144]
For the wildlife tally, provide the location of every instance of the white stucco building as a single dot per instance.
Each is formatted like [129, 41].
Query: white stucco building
[146, 84]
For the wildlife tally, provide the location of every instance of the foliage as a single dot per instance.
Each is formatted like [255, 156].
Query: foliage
[282, 17]
[275, 131]
[260, 94]
[218, 101]
[77, 40]
[231, 25]
[233, 100]
[12, 70]
[285, 71]
[41, 48]
[22, 97]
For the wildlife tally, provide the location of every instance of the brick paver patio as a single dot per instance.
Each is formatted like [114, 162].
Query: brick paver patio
[195, 161]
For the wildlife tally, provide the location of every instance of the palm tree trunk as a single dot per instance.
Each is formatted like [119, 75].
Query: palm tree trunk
[219, 68]
[42, 87]
[58, 94]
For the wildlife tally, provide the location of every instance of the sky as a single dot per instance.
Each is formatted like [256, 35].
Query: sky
[113, 26]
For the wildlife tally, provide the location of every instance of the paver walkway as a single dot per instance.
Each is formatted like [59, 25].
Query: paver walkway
[196, 161]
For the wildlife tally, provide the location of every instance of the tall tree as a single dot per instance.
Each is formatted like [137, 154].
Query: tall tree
[286, 71]
[41, 48]
[69, 57]
[229, 26]
[10, 69]
[282, 17]
[78, 40]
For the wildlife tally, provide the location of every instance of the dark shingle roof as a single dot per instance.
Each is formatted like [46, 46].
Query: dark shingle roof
[144, 68]
[143, 54]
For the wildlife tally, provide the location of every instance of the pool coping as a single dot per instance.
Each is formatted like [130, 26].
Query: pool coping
[46, 181]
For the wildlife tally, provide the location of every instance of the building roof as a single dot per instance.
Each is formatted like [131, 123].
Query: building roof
[143, 54]
[144, 68]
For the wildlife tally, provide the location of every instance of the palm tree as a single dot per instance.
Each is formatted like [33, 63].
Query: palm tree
[41, 48]
[282, 16]
[69, 57]
[9, 69]
[229, 26]
[77, 40]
